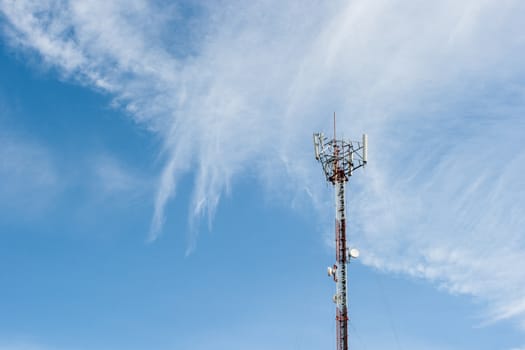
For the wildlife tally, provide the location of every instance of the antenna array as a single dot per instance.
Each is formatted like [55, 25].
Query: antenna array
[339, 159]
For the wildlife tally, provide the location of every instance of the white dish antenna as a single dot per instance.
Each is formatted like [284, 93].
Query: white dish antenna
[353, 253]
[330, 271]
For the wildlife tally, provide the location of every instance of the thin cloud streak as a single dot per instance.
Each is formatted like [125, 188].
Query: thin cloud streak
[28, 175]
[113, 178]
[438, 86]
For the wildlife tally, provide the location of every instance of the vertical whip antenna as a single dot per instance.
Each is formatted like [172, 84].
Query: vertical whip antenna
[334, 126]
[339, 159]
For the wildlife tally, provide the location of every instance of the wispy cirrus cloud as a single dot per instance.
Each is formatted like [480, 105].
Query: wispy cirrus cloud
[237, 88]
[111, 177]
[28, 174]
[34, 177]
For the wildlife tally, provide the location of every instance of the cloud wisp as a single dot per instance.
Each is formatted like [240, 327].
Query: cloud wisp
[28, 173]
[233, 88]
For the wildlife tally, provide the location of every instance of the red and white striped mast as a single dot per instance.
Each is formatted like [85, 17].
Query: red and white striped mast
[339, 159]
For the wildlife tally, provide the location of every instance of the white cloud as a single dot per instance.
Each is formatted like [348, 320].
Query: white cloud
[32, 180]
[437, 85]
[28, 175]
[112, 177]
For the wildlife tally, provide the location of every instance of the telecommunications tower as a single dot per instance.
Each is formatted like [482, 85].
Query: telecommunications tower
[339, 159]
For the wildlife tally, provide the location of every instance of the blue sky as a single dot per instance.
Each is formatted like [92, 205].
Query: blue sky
[158, 188]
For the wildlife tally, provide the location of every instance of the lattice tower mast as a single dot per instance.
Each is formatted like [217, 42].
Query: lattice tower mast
[339, 159]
